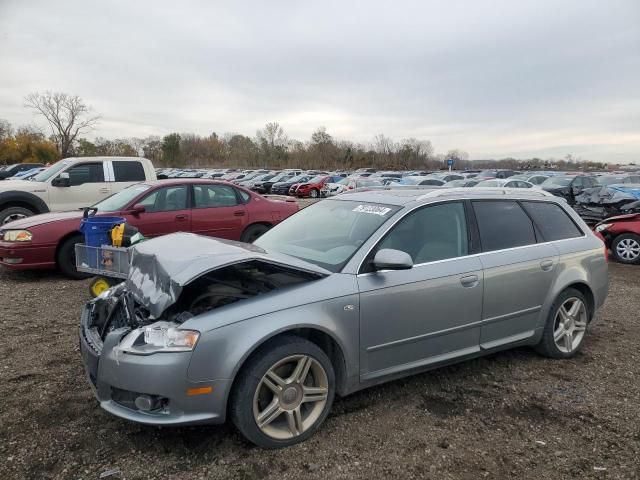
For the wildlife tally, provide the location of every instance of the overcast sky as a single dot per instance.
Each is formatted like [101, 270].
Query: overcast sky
[494, 78]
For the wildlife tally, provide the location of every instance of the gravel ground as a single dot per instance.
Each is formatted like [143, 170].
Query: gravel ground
[512, 414]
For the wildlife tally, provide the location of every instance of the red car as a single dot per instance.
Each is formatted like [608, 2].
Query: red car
[205, 207]
[621, 235]
[311, 188]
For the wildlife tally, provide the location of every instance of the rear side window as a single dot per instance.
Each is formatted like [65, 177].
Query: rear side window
[127, 171]
[503, 224]
[552, 221]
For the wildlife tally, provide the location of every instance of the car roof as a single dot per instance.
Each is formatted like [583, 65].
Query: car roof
[182, 181]
[428, 194]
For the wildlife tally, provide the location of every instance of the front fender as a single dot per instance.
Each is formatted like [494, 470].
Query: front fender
[221, 352]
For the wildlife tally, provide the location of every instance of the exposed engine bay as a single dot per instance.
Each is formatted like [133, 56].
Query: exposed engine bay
[118, 308]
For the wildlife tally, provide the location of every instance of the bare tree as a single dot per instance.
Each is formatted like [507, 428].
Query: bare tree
[67, 116]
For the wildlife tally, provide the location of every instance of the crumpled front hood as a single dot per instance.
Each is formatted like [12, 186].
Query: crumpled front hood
[160, 267]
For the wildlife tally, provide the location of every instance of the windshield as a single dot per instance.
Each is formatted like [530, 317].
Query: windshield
[345, 226]
[557, 182]
[317, 179]
[299, 178]
[489, 183]
[412, 180]
[118, 201]
[50, 172]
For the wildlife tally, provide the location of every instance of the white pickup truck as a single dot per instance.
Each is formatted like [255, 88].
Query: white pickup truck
[70, 184]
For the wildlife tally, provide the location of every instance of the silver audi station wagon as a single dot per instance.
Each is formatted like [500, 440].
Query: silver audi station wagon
[352, 291]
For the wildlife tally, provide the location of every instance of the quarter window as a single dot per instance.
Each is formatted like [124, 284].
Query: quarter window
[128, 171]
[86, 173]
[207, 196]
[432, 233]
[552, 221]
[503, 224]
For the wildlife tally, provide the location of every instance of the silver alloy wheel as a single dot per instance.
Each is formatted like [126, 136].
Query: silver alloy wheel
[12, 217]
[570, 325]
[628, 249]
[313, 193]
[290, 397]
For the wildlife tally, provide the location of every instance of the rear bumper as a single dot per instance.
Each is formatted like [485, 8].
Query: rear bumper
[118, 378]
[27, 256]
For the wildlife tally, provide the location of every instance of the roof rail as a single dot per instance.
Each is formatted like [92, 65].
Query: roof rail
[445, 192]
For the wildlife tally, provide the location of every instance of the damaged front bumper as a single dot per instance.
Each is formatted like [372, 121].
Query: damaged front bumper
[151, 389]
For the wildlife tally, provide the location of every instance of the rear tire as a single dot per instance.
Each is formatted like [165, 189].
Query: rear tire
[66, 258]
[14, 213]
[253, 232]
[566, 325]
[288, 388]
[626, 248]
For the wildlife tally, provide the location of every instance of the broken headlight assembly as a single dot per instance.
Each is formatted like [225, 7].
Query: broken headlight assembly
[160, 337]
[17, 236]
[170, 339]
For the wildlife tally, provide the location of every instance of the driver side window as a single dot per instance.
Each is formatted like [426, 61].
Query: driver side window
[86, 173]
[432, 233]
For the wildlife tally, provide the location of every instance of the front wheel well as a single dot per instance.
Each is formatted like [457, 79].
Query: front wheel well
[20, 204]
[64, 239]
[323, 340]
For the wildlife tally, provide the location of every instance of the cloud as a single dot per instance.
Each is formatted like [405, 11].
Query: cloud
[495, 78]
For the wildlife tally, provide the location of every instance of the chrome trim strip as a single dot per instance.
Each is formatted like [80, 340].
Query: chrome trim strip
[424, 336]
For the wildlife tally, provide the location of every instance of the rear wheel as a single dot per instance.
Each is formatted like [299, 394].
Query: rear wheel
[283, 394]
[626, 248]
[566, 325]
[14, 213]
[253, 232]
[66, 258]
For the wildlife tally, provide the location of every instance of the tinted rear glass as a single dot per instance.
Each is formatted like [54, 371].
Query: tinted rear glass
[552, 221]
[503, 224]
[128, 171]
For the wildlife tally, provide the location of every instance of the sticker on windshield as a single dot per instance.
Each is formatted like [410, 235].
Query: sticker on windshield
[375, 209]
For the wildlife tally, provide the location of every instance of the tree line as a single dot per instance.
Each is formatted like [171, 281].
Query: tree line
[69, 120]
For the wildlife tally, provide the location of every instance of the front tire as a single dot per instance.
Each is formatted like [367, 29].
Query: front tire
[314, 193]
[283, 394]
[566, 325]
[66, 258]
[14, 213]
[626, 248]
[253, 232]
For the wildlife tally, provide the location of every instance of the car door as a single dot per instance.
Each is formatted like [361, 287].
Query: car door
[166, 211]
[518, 272]
[87, 186]
[218, 211]
[431, 312]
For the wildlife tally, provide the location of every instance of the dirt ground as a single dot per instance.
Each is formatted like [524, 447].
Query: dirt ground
[510, 415]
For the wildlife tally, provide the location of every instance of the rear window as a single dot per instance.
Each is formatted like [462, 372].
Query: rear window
[552, 221]
[503, 224]
[126, 171]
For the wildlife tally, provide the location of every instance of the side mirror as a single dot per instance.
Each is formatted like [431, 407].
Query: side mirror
[137, 209]
[61, 180]
[390, 259]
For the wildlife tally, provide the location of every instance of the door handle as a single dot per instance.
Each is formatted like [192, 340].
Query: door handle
[181, 217]
[546, 265]
[239, 213]
[469, 281]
